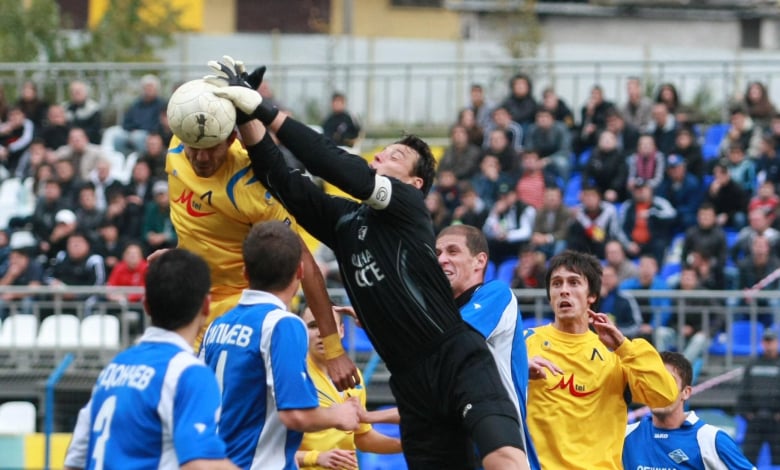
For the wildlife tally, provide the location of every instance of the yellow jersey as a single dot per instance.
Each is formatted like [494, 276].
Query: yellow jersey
[577, 420]
[330, 439]
[212, 216]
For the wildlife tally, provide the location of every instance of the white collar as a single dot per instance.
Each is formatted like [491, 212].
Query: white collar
[155, 334]
[254, 297]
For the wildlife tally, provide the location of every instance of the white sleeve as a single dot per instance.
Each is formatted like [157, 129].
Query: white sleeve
[76, 457]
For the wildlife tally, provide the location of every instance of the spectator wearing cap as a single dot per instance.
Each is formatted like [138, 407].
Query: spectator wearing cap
[158, 231]
[65, 224]
[646, 164]
[645, 222]
[594, 223]
[683, 191]
[23, 270]
[759, 400]
[509, 225]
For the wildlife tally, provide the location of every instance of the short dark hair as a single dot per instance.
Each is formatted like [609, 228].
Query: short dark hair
[475, 238]
[272, 253]
[177, 283]
[584, 264]
[681, 365]
[426, 164]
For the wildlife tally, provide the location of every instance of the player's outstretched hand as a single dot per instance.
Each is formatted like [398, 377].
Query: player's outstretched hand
[349, 414]
[338, 459]
[609, 334]
[348, 310]
[343, 372]
[537, 366]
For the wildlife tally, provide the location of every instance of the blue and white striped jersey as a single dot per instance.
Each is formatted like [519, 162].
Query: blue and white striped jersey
[492, 311]
[155, 405]
[694, 445]
[258, 351]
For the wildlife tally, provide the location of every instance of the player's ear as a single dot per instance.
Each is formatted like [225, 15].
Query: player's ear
[244, 273]
[206, 308]
[686, 392]
[481, 260]
[232, 137]
[299, 271]
[417, 182]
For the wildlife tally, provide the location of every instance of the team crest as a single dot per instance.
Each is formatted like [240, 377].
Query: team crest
[678, 456]
[362, 233]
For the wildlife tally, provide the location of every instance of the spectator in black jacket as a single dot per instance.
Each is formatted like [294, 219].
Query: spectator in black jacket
[78, 265]
[520, 103]
[728, 198]
[606, 169]
[84, 112]
[339, 126]
[619, 305]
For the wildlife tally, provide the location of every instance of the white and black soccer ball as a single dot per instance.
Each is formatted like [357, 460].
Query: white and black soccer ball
[198, 117]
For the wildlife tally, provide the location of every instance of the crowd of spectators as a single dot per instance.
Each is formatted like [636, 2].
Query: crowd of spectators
[627, 182]
[533, 173]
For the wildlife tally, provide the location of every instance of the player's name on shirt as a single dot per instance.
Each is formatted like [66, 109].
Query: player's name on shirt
[225, 333]
[648, 467]
[136, 376]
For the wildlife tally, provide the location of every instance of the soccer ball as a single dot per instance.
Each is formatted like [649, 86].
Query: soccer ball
[198, 117]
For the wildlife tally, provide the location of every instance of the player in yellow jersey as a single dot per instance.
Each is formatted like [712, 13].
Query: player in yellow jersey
[579, 378]
[332, 448]
[215, 199]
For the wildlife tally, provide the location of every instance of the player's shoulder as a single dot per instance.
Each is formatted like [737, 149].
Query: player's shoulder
[495, 288]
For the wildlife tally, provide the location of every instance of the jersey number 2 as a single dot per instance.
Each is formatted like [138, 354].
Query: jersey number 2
[103, 427]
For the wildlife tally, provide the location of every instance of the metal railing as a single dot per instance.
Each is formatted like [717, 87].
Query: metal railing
[412, 95]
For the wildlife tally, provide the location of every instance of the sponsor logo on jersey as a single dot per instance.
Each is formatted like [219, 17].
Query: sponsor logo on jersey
[367, 271]
[194, 208]
[362, 233]
[574, 389]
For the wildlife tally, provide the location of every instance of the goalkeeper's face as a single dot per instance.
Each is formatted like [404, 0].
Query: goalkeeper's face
[398, 161]
[205, 162]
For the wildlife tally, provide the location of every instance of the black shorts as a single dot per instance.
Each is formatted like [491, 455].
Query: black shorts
[442, 399]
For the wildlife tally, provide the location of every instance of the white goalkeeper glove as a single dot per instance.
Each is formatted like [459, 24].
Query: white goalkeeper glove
[231, 85]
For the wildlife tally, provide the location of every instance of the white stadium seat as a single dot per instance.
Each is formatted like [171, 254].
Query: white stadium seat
[17, 417]
[19, 330]
[100, 331]
[59, 331]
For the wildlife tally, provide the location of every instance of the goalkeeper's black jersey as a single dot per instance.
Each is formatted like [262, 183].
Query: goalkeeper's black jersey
[386, 257]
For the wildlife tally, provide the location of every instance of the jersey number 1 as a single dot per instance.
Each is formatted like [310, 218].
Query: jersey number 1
[103, 427]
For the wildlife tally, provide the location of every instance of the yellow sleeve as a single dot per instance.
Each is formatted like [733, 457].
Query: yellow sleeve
[650, 382]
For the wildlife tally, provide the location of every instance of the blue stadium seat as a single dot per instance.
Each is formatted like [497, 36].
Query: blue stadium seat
[740, 339]
[712, 139]
[490, 271]
[506, 270]
[362, 343]
[571, 195]
[731, 237]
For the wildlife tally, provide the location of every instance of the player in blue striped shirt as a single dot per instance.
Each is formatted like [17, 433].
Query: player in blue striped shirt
[674, 439]
[156, 405]
[258, 351]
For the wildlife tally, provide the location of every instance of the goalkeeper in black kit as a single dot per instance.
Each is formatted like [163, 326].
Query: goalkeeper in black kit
[444, 379]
